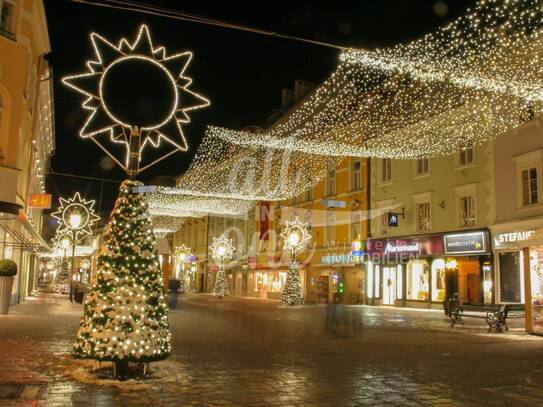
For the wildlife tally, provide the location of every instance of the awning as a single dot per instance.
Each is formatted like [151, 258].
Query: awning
[9, 210]
[34, 242]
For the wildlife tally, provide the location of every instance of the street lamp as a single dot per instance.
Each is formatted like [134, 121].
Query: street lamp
[221, 249]
[296, 238]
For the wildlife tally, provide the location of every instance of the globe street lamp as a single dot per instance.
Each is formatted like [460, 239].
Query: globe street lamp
[182, 254]
[296, 237]
[221, 249]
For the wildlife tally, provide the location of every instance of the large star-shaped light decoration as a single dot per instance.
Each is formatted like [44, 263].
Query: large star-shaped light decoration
[59, 237]
[296, 236]
[75, 204]
[222, 248]
[182, 253]
[103, 120]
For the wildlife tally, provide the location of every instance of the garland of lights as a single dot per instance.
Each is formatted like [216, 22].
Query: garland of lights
[470, 81]
[103, 120]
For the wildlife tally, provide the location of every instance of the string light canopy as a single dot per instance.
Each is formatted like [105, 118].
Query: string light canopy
[468, 82]
[296, 236]
[75, 216]
[166, 126]
[162, 225]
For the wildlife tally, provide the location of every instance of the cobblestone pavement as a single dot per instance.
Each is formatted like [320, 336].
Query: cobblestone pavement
[259, 353]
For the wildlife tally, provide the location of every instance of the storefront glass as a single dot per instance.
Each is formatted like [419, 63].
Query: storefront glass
[370, 279]
[269, 281]
[418, 280]
[510, 277]
[438, 280]
[536, 282]
[399, 282]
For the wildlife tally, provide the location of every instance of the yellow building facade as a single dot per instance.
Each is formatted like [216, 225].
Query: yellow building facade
[26, 133]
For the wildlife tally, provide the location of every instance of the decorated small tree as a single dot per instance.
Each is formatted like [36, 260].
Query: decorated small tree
[125, 315]
[221, 249]
[296, 239]
[62, 281]
[292, 290]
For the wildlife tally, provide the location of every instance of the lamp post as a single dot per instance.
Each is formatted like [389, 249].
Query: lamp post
[221, 249]
[74, 225]
[296, 239]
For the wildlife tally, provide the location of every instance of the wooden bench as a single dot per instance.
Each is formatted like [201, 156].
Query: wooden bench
[495, 315]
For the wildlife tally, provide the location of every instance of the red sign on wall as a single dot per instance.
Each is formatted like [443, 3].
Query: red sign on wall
[264, 220]
[39, 201]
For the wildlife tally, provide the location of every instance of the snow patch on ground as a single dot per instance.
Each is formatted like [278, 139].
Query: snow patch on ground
[166, 371]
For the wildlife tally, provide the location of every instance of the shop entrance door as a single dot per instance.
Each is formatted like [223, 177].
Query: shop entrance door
[389, 285]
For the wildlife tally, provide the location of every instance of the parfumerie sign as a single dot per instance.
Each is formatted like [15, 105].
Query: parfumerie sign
[405, 248]
[465, 243]
[338, 259]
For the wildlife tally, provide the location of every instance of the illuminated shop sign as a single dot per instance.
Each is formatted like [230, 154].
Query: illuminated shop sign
[513, 237]
[404, 248]
[465, 243]
[338, 259]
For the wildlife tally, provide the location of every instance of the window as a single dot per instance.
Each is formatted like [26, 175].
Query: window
[510, 277]
[417, 281]
[331, 183]
[466, 207]
[7, 8]
[423, 216]
[309, 195]
[466, 156]
[386, 170]
[277, 224]
[438, 280]
[308, 220]
[383, 223]
[355, 175]
[422, 166]
[355, 225]
[330, 226]
[530, 190]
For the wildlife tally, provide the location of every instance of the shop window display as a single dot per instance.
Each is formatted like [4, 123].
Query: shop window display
[438, 280]
[272, 282]
[418, 287]
[536, 280]
[510, 277]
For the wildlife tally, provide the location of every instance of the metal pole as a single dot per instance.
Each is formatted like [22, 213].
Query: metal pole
[74, 234]
[133, 152]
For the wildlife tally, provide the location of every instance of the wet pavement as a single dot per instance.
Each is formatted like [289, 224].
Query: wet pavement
[250, 352]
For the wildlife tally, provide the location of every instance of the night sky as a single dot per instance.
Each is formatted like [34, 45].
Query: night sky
[241, 73]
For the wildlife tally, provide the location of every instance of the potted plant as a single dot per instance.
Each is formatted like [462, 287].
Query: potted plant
[8, 269]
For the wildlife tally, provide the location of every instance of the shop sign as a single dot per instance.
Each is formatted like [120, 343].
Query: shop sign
[393, 220]
[465, 243]
[513, 237]
[39, 201]
[338, 259]
[404, 248]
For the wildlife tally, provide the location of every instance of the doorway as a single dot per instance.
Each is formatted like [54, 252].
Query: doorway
[389, 285]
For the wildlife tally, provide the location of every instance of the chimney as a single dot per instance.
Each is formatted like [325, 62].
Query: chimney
[301, 87]
[287, 98]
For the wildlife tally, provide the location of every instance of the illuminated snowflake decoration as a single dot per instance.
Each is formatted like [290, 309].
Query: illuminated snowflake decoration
[222, 248]
[75, 207]
[59, 237]
[296, 236]
[109, 57]
[182, 253]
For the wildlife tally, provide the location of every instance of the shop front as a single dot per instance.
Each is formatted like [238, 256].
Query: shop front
[519, 280]
[422, 271]
[337, 279]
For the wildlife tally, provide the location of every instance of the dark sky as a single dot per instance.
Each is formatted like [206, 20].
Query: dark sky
[241, 73]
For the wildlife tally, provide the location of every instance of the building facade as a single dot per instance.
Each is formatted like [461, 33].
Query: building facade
[429, 229]
[518, 229]
[26, 133]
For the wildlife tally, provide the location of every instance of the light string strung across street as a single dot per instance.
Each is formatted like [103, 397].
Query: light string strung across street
[464, 84]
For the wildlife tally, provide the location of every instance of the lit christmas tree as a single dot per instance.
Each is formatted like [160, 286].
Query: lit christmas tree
[125, 315]
[292, 291]
[221, 249]
[62, 281]
[296, 237]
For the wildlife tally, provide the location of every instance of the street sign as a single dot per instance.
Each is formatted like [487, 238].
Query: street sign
[39, 201]
[330, 203]
[393, 219]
